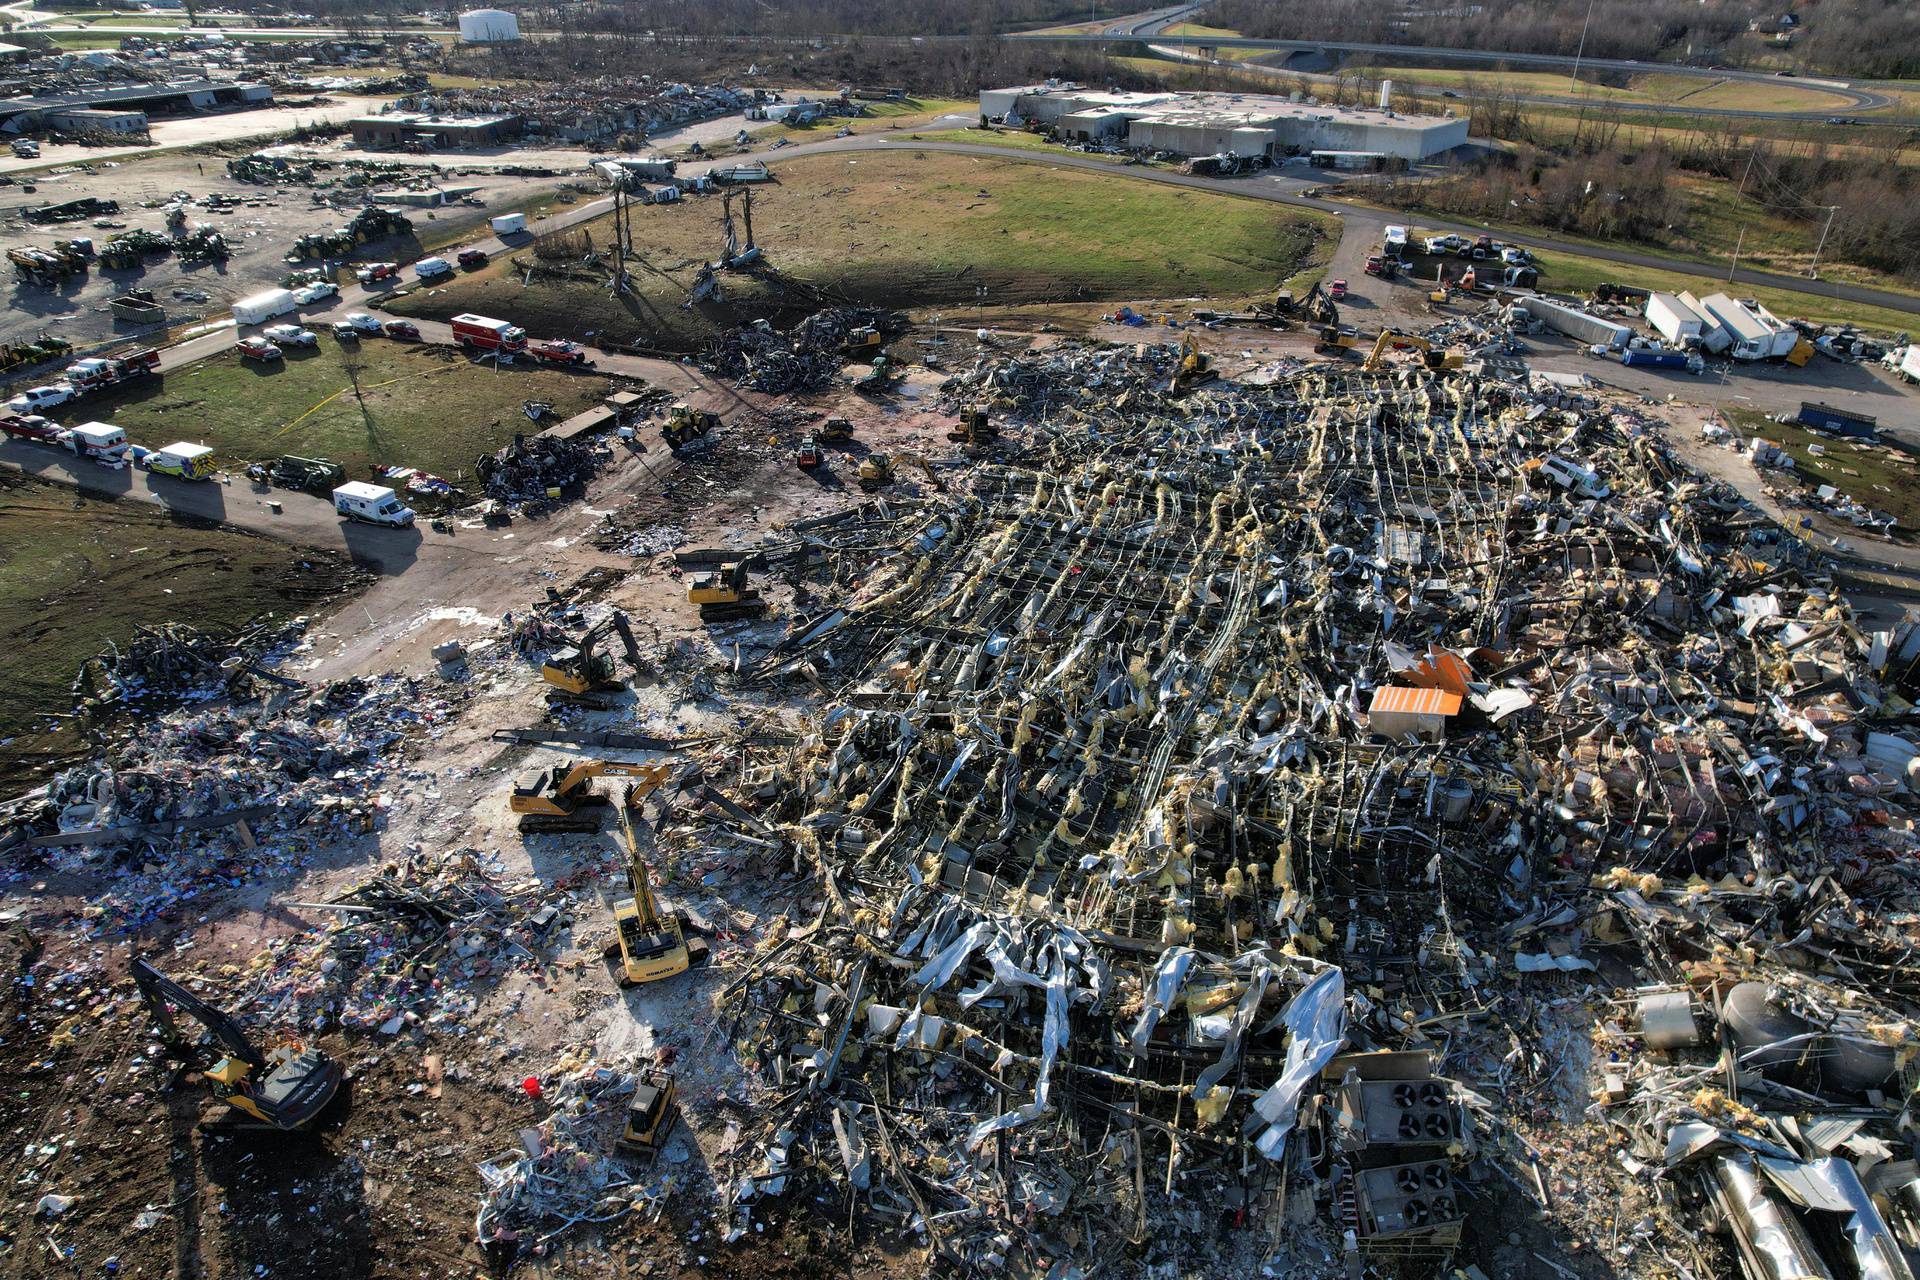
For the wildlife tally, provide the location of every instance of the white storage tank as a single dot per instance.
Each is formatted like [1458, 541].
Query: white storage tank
[487, 26]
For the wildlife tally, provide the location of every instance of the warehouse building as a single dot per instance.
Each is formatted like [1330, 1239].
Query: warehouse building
[442, 133]
[1241, 124]
[175, 98]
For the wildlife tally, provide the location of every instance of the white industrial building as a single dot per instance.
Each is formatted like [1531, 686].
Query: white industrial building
[488, 26]
[1241, 124]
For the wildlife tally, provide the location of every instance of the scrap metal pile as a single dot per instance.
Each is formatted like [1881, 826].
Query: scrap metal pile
[1208, 816]
[532, 466]
[807, 357]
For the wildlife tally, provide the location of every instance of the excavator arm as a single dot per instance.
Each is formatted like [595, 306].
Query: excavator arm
[587, 770]
[163, 995]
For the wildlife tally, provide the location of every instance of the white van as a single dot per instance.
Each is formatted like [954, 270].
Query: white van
[432, 268]
[371, 504]
[1581, 481]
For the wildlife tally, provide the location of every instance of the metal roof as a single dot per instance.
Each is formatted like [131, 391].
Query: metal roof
[1418, 702]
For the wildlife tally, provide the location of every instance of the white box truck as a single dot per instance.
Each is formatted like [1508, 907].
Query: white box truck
[105, 443]
[371, 504]
[262, 307]
[508, 224]
[1910, 363]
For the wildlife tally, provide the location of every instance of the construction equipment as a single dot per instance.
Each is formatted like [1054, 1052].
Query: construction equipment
[650, 1115]
[561, 798]
[1393, 339]
[1319, 308]
[723, 594]
[581, 675]
[880, 375]
[1336, 339]
[286, 1088]
[861, 342]
[685, 424]
[1195, 367]
[651, 943]
[878, 470]
[835, 429]
[973, 428]
[809, 456]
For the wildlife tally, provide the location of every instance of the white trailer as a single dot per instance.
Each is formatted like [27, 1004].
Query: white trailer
[508, 224]
[262, 307]
[1910, 363]
[371, 504]
[1674, 320]
[1714, 336]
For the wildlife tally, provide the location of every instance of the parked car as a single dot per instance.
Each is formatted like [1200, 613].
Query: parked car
[35, 399]
[363, 322]
[376, 272]
[560, 351]
[1337, 290]
[405, 329]
[291, 335]
[432, 268]
[344, 332]
[257, 349]
[472, 259]
[316, 292]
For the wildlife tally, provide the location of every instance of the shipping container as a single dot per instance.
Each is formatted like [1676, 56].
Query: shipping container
[1590, 329]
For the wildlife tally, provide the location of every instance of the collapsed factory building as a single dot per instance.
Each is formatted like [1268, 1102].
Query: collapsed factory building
[1240, 124]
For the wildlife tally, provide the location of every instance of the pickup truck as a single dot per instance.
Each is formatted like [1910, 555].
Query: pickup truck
[472, 259]
[376, 272]
[560, 351]
[291, 335]
[34, 399]
[316, 292]
[30, 426]
[257, 349]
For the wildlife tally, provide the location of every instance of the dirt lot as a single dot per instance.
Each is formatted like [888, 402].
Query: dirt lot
[258, 232]
[912, 229]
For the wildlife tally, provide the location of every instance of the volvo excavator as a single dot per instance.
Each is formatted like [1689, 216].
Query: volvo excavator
[563, 798]
[649, 943]
[582, 675]
[285, 1088]
[723, 594]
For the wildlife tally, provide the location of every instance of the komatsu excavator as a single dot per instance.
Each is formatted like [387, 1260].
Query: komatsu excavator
[563, 798]
[582, 675]
[651, 943]
[285, 1088]
[1391, 339]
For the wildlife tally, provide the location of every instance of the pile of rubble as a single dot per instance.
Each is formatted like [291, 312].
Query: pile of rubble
[806, 358]
[176, 660]
[1217, 820]
[587, 109]
[535, 469]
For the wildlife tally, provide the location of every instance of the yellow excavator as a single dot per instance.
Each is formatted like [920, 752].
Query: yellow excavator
[584, 676]
[1195, 367]
[973, 428]
[1390, 339]
[563, 798]
[651, 943]
[878, 470]
[1336, 340]
[723, 594]
[286, 1088]
[685, 424]
[861, 342]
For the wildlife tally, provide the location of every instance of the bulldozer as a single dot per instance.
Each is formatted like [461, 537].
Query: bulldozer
[1194, 369]
[723, 594]
[582, 675]
[650, 944]
[1335, 340]
[286, 1088]
[650, 1115]
[878, 470]
[1391, 339]
[835, 429]
[561, 798]
[685, 424]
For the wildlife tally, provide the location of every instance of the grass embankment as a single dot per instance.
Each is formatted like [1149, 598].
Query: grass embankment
[420, 406]
[1883, 477]
[78, 572]
[914, 229]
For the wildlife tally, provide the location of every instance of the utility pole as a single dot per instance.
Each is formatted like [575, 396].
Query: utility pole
[1573, 81]
[1814, 272]
[1738, 245]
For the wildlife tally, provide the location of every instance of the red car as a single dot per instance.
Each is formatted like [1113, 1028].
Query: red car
[1337, 290]
[257, 349]
[472, 259]
[560, 351]
[405, 329]
[30, 427]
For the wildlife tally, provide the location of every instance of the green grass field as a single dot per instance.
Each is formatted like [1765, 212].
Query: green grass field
[77, 572]
[916, 229]
[420, 406]
[1879, 476]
